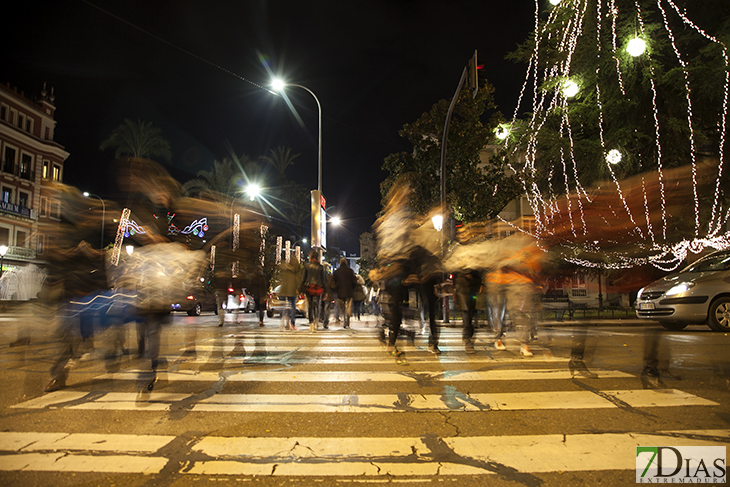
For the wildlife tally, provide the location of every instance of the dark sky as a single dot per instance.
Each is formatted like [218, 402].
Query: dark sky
[195, 69]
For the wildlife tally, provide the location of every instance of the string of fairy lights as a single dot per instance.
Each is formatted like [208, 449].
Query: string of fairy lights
[565, 28]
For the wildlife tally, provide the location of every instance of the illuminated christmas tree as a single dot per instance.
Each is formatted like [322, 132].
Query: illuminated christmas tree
[624, 143]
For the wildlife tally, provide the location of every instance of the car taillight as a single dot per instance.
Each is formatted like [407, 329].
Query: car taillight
[190, 298]
[241, 297]
[230, 289]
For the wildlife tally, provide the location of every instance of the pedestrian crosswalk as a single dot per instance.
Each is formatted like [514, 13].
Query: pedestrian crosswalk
[333, 378]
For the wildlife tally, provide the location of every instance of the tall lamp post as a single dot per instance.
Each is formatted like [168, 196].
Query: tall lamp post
[103, 216]
[3, 251]
[278, 86]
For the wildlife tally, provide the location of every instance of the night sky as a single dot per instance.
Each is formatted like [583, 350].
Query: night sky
[197, 70]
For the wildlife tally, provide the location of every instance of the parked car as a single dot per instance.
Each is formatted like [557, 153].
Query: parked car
[276, 305]
[698, 294]
[239, 299]
[196, 300]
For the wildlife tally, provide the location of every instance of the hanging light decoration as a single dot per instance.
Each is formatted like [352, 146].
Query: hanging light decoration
[570, 88]
[560, 202]
[636, 47]
[613, 156]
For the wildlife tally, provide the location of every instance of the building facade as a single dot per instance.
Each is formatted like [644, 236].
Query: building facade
[31, 163]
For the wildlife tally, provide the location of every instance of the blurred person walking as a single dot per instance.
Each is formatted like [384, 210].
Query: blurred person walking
[259, 287]
[290, 276]
[313, 283]
[329, 300]
[512, 290]
[345, 282]
[468, 287]
[76, 276]
[358, 298]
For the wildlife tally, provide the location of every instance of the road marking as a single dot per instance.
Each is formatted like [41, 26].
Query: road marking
[344, 456]
[400, 457]
[258, 356]
[364, 376]
[450, 400]
[27, 442]
[64, 462]
[57, 452]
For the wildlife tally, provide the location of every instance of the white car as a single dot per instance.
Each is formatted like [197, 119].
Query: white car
[698, 294]
[240, 300]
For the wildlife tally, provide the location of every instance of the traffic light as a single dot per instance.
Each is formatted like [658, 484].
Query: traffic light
[472, 78]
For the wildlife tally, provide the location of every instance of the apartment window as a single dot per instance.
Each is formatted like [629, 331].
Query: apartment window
[6, 194]
[56, 210]
[46, 169]
[44, 207]
[25, 166]
[9, 161]
[29, 125]
[41, 243]
[56, 172]
[4, 112]
[23, 199]
[21, 120]
[21, 238]
[4, 236]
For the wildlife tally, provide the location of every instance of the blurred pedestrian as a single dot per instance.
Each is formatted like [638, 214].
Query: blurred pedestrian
[345, 282]
[76, 276]
[512, 286]
[468, 287]
[656, 360]
[259, 287]
[290, 276]
[358, 297]
[329, 298]
[313, 284]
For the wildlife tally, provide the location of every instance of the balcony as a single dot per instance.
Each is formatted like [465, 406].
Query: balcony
[22, 172]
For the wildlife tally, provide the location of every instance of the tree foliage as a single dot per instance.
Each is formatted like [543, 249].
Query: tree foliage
[622, 99]
[138, 139]
[475, 190]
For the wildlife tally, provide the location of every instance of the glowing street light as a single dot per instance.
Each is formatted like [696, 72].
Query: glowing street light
[278, 85]
[438, 222]
[335, 220]
[636, 47]
[253, 190]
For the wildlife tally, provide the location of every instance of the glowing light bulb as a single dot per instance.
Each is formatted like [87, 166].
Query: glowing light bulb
[636, 47]
[502, 132]
[613, 156]
[570, 88]
[554, 2]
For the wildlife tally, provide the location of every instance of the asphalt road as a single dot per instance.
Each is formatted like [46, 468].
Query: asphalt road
[262, 406]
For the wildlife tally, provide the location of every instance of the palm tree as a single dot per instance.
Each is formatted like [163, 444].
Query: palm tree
[138, 139]
[280, 159]
[223, 178]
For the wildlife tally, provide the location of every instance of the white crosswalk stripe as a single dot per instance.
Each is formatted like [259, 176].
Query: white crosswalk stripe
[498, 382]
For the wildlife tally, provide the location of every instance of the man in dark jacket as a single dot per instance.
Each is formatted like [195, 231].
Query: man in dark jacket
[345, 283]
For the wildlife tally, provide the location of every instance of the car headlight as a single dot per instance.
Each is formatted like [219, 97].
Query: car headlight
[638, 295]
[679, 288]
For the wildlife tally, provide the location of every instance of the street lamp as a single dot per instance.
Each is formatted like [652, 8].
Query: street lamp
[103, 216]
[279, 86]
[3, 251]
